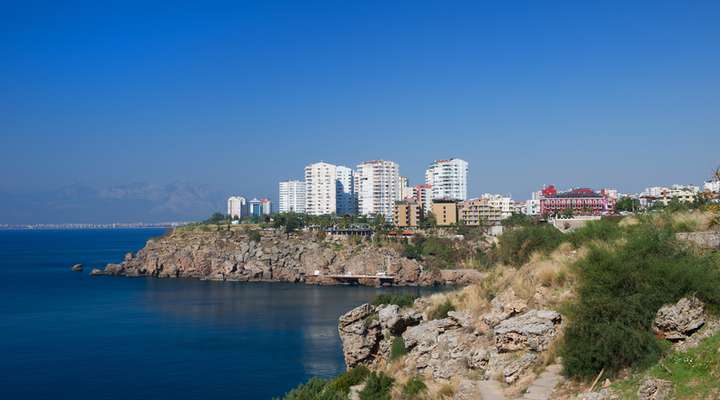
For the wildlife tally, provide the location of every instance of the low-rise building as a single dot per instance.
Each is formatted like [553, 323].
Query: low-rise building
[407, 213]
[664, 195]
[445, 212]
[479, 212]
[581, 201]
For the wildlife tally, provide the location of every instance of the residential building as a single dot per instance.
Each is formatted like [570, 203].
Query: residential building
[260, 207]
[345, 193]
[408, 193]
[423, 195]
[479, 212]
[532, 206]
[237, 207]
[448, 179]
[407, 213]
[504, 203]
[378, 187]
[576, 201]
[445, 211]
[292, 196]
[664, 195]
[712, 186]
[403, 186]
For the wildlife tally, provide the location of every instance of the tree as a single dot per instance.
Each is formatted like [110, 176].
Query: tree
[217, 218]
[429, 222]
[627, 204]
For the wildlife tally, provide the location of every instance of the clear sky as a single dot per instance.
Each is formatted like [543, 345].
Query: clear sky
[242, 94]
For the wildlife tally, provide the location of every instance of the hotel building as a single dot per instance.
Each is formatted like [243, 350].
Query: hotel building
[292, 196]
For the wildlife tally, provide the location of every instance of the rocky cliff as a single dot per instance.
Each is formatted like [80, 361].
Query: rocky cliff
[242, 255]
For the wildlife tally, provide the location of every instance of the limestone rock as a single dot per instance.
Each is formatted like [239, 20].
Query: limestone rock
[504, 306]
[655, 389]
[680, 320]
[96, 272]
[603, 394]
[360, 335]
[512, 372]
[395, 320]
[77, 268]
[533, 330]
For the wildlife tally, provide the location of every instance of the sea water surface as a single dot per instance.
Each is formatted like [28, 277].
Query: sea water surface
[65, 334]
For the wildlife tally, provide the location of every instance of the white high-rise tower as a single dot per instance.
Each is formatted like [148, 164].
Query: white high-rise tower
[448, 179]
[378, 187]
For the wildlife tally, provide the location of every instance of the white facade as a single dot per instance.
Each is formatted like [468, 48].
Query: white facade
[292, 196]
[505, 204]
[378, 187]
[329, 189]
[532, 206]
[712, 186]
[448, 179]
[237, 207]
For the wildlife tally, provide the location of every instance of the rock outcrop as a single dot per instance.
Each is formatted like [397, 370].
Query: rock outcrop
[232, 255]
[77, 268]
[655, 389]
[705, 240]
[456, 346]
[680, 320]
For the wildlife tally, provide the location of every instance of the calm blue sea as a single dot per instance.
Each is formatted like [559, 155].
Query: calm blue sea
[67, 335]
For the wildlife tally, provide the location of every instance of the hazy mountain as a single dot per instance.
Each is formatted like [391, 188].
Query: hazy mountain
[136, 202]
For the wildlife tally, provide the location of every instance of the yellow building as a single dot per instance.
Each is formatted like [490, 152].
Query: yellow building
[445, 212]
[476, 212]
[407, 214]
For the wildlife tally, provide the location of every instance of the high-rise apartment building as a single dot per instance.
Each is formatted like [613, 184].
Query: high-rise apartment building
[260, 207]
[237, 207]
[292, 196]
[329, 189]
[448, 179]
[378, 187]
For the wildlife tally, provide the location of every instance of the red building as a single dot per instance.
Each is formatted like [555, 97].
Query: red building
[577, 201]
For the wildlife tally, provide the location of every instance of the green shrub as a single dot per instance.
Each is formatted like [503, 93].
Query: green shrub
[517, 245]
[335, 389]
[620, 290]
[401, 299]
[397, 349]
[441, 310]
[377, 387]
[342, 384]
[413, 388]
[604, 230]
[310, 390]
[254, 235]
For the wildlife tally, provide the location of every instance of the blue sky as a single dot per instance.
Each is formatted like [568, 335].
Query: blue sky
[241, 94]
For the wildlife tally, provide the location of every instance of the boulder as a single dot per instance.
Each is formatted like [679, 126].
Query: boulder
[114, 269]
[504, 306]
[360, 334]
[513, 370]
[680, 320]
[77, 268]
[395, 320]
[533, 330]
[655, 389]
[97, 272]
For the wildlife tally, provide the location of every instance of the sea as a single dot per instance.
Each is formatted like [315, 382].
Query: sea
[68, 335]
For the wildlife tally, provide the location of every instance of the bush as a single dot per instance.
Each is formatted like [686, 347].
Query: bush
[320, 389]
[397, 349]
[604, 230]
[442, 310]
[401, 300]
[517, 245]
[377, 387]
[254, 235]
[620, 290]
[413, 387]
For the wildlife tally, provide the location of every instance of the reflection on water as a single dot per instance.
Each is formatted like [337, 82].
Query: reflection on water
[308, 312]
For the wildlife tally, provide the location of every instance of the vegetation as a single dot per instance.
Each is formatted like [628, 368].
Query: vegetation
[335, 389]
[694, 373]
[254, 235]
[604, 230]
[441, 310]
[402, 299]
[620, 290]
[627, 204]
[517, 245]
[397, 349]
[413, 388]
[377, 387]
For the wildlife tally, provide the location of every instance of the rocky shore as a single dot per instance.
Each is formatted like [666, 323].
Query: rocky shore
[242, 255]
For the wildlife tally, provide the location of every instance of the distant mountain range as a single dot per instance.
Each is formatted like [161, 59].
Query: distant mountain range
[136, 202]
